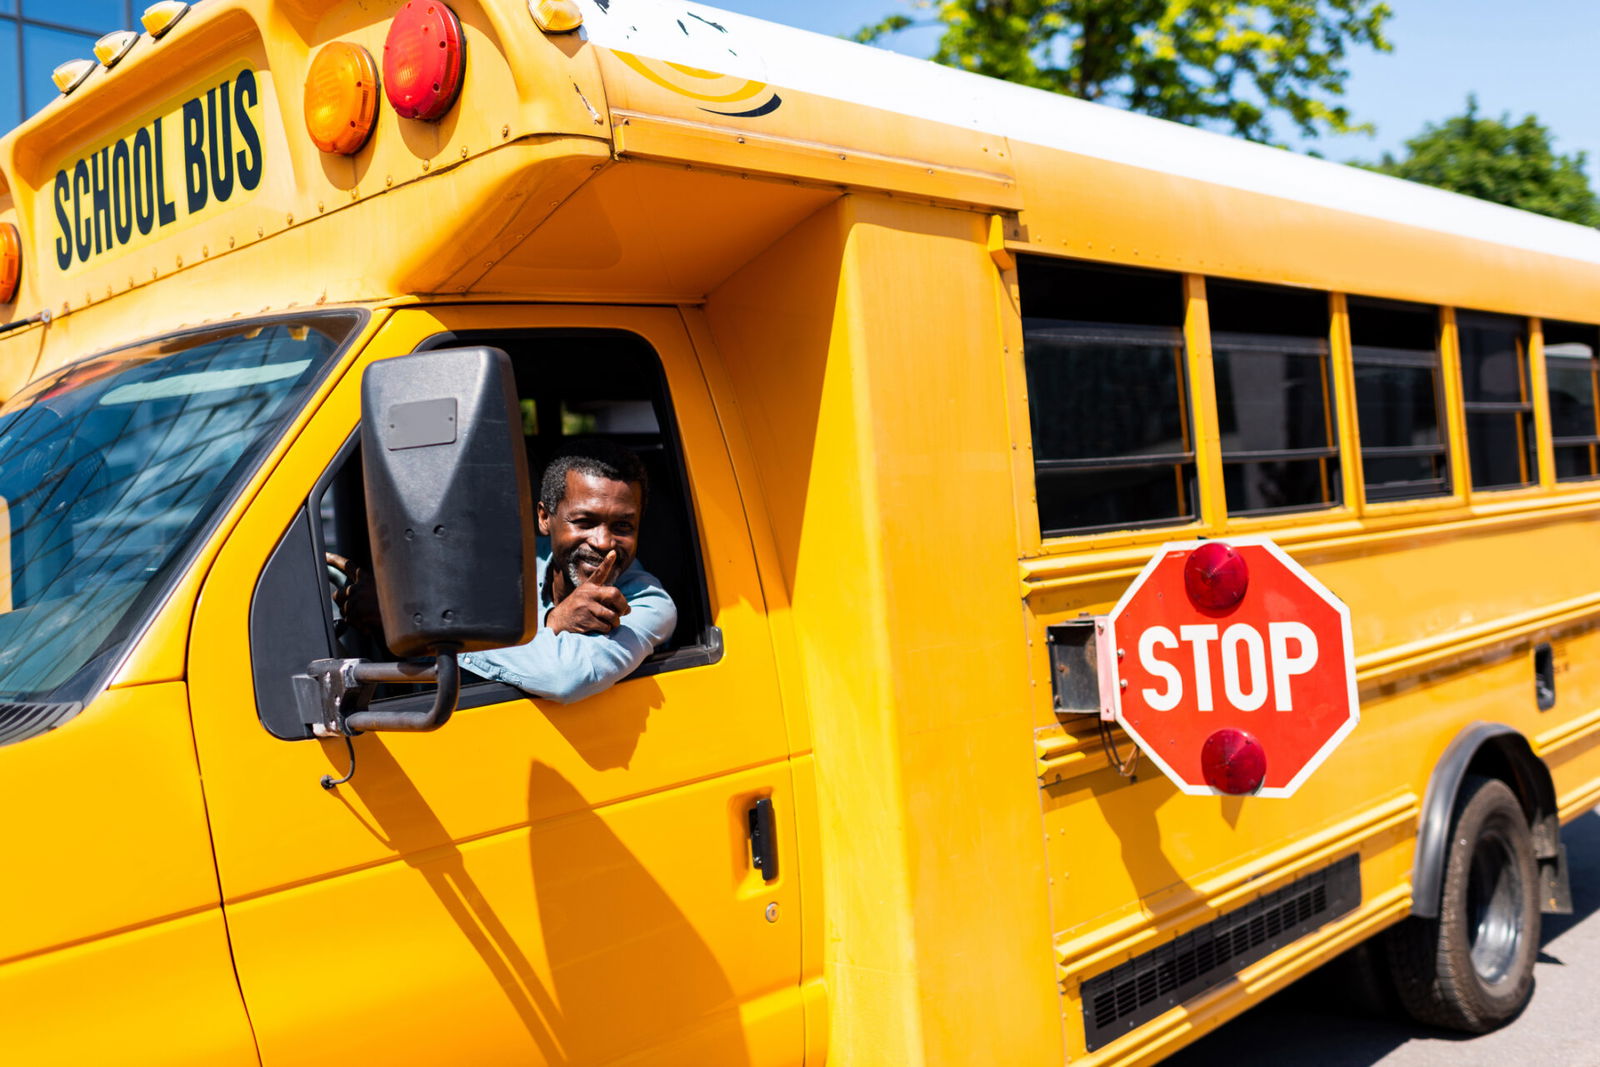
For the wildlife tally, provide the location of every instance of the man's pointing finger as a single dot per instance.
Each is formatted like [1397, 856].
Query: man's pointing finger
[601, 575]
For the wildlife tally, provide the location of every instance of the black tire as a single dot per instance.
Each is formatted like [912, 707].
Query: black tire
[1471, 969]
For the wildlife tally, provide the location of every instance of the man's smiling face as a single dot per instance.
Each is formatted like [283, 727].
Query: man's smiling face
[596, 516]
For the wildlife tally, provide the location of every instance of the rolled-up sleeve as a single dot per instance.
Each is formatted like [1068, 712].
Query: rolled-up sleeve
[568, 667]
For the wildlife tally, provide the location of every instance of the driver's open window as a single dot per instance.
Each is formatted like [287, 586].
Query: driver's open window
[570, 383]
[609, 383]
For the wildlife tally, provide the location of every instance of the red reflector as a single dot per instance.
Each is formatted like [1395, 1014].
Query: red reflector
[10, 262]
[1215, 577]
[1233, 762]
[423, 58]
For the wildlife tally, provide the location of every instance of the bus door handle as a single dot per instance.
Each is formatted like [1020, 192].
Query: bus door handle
[763, 839]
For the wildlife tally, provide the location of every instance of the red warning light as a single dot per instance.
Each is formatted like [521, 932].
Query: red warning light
[423, 59]
[1215, 577]
[1233, 762]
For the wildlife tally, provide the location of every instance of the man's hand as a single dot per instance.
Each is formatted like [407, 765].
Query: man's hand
[357, 599]
[594, 607]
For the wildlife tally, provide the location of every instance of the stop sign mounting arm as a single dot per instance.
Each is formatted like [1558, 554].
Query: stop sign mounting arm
[1083, 679]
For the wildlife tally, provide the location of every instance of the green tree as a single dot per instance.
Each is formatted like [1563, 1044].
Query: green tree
[1494, 160]
[1232, 64]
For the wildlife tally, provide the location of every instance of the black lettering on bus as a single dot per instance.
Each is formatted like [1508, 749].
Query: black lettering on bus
[166, 211]
[249, 169]
[194, 153]
[144, 182]
[220, 146]
[64, 224]
[83, 240]
[100, 178]
[122, 192]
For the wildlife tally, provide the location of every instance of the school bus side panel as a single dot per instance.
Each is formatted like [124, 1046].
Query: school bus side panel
[865, 350]
[113, 949]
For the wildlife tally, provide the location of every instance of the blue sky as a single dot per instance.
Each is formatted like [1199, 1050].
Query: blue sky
[1536, 56]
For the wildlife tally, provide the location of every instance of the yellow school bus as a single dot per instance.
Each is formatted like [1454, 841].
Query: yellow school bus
[923, 368]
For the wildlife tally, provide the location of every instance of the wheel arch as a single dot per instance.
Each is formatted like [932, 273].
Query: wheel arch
[1490, 750]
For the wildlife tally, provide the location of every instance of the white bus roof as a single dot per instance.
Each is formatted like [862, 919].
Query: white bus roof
[729, 43]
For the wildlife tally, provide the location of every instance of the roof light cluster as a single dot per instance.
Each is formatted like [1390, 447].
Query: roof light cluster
[157, 19]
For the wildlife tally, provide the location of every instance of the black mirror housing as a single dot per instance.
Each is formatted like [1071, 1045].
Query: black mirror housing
[449, 505]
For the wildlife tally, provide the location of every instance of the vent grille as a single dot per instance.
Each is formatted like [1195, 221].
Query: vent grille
[1135, 992]
[21, 721]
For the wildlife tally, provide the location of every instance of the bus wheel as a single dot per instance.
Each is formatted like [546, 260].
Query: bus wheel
[1472, 968]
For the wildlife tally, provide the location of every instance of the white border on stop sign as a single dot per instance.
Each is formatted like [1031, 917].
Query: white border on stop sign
[1311, 583]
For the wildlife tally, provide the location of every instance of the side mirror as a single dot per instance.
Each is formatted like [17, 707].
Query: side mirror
[450, 514]
[449, 506]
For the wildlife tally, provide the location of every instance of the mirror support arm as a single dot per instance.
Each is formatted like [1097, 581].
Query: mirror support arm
[345, 685]
[444, 672]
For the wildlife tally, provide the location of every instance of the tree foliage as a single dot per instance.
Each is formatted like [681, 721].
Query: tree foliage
[1496, 160]
[1233, 64]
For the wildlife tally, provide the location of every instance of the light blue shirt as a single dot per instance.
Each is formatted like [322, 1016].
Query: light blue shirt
[567, 667]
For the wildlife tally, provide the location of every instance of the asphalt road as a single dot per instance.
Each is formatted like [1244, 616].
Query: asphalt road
[1316, 1023]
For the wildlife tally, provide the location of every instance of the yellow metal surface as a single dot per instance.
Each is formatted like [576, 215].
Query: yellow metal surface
[867, 417]
[834, 294]
[538, 857]
[161, 995]
[659, 112]
[113, 894]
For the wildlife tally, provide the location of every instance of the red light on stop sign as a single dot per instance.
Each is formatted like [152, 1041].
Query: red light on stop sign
[1215, 577]
[1233, 762]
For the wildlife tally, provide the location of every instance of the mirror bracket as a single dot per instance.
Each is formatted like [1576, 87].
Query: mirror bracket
[334, 694]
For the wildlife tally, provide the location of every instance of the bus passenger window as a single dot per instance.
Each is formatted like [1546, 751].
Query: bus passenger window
[1570, 351]
[1399, 400]
[1108, 396]
[1498, 400]
[1274, 397]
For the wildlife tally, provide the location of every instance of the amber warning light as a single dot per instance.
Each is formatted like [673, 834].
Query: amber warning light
[423, 59]
[341, 98]
[10, 262]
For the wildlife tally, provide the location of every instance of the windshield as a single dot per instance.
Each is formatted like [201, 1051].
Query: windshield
[111, 467]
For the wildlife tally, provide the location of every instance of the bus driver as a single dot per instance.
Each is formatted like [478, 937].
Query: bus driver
[600, 612]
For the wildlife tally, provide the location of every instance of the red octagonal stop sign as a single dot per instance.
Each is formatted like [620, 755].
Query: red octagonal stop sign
[1235, 667]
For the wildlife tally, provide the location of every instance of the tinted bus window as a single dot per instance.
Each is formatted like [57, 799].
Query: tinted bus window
[1570, 352]
[1108, 396]
[1499, 408]
[1274, 397]
[1399, 400]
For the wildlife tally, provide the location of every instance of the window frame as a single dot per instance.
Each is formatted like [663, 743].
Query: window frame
[1591, 440]
[1187, 465]
[1445, 406]
[1526, 410]
[1330, 457]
